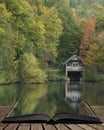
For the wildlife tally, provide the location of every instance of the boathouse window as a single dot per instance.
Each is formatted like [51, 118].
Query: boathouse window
[75, 64]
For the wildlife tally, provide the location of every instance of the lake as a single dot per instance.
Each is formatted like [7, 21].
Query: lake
[51, 98]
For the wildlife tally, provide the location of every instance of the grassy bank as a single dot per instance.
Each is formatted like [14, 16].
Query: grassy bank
[54, 75]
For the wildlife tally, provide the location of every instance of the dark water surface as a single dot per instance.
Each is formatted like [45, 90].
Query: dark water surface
[51, 98]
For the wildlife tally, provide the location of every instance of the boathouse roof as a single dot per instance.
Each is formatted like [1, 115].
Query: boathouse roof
[73, 58]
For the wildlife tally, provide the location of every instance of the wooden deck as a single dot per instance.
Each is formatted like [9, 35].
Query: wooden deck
[16, 126]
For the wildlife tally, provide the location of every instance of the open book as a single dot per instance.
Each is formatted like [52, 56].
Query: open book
[60, 118]
[85, 114]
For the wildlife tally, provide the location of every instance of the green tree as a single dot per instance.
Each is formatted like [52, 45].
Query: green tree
[29, 71]
[24, 24]
[70, 38]
[85, 7]
[101, 52]
[95, 56]
[7, 48]
[100, 21]
[51, 29]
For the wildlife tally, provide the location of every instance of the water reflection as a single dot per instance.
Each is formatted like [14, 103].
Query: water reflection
[54, 97]
[73, 93]
[42, 99]
[8, 95]
[29, 97]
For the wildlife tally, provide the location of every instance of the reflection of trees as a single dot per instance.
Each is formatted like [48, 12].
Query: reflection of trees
[50, 98]
[29, 96]
[7, 94]
[55, 100]
[37, 98]
[94, 93]
[49, 105]
[43, 99]
[84, 110]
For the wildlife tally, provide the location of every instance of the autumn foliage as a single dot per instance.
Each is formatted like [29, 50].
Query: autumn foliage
[88, 37]
[91, 58]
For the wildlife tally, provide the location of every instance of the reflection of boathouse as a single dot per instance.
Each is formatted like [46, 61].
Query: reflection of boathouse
[73, 94]
[74, 68]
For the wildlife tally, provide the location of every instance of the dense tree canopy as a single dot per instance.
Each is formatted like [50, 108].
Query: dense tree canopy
[7, 47]
[31, 31]
[88, 37]
[70, 39]
[36, 35]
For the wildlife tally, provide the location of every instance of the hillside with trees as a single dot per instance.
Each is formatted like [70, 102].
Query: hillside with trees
[37, 36]
[86, 7]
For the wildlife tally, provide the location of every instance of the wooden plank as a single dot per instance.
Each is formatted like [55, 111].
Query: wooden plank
[24, 127]
[3, 111]
[99, 110]
[74, 127]
[49, 127]
[5, 107]
[12, 126]
[36, 127]
[61, 127]
[102, 124]
[86, 127]
[99, 127]
[2, 126]
[2, 117]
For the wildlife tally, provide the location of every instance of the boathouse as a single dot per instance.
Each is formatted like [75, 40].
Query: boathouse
[74, 68]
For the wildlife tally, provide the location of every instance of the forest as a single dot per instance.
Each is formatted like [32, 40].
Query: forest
[37, 36]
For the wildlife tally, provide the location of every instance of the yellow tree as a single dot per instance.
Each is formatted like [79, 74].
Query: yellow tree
[101, 52]
[91, 58]
[95, 56]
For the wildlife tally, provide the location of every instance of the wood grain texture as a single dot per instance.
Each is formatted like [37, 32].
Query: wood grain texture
[99, 127]
[74, 127]
[36, 127]
[2, 126]
[24, 127]
[15, 126]
[12, 127]
[3, 111]
[99, 110]
[49, 127]
[86, 127]
[102, 124]
[62, 127]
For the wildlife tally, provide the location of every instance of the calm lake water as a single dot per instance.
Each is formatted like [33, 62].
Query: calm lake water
[54, 97]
